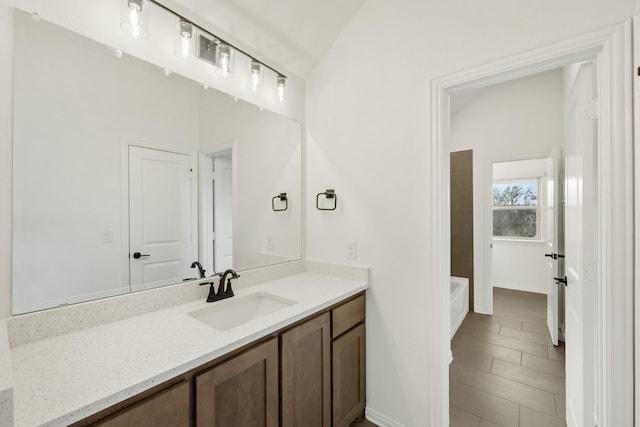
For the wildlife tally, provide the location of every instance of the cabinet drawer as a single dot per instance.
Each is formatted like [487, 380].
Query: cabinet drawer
[347, 315]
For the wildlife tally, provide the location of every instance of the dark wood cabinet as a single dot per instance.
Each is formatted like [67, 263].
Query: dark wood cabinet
[170, 408]
[348, 377]
[348, 362]
[306, 374]
[311, 374]
[242, 391]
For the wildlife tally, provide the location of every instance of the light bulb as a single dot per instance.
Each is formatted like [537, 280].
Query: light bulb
[255, 76]
[184, 40]
[135, 16]
[134, 20]
[280, 84]
[225, 60]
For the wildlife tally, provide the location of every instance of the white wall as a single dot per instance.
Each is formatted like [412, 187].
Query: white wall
[268, 162]
[368, 136]
[99, 19]
[516, 118]
[521, 264]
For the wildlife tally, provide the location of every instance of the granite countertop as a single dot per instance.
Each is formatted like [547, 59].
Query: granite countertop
[60, 380]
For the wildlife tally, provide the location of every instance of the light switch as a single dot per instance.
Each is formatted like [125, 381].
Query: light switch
[107, 237]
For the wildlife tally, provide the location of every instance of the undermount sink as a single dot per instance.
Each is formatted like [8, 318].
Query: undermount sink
[240, 310]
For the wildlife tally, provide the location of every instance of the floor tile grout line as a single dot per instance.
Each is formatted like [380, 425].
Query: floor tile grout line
[510, 348]
[520, 382]
[505, 399]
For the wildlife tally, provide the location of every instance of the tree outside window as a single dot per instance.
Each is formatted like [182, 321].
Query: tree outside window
[515, 209]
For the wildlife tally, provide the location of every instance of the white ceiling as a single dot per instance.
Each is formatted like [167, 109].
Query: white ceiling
[294, 34]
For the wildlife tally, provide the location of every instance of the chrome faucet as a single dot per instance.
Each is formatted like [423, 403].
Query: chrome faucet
[201, 270]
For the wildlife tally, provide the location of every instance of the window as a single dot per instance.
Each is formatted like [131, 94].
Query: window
[515, 209]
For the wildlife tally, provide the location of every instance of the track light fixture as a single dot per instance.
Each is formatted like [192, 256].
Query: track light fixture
[212, 49]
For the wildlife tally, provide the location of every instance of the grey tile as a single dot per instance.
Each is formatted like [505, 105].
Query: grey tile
[528, 376]
[485, 405]
[513, 343]
[556, 353]
[461, 418]
[536, 327]
[473, 360]
[468, 344]
[504, 388]
[485, 423]
[526, 335]
[544, 364]
[478, 318]
[531, 418]
[561, 407]
[471, 327]
[523, 317]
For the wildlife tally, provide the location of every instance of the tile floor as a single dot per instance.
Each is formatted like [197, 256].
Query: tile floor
[505, 370]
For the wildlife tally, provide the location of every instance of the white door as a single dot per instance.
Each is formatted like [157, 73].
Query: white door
[160, 248]
[223, 213]
[580, 241]
[554, 205]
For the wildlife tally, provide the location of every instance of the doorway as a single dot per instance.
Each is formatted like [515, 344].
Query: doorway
[613, 352]
[502, 371]
[217, 205]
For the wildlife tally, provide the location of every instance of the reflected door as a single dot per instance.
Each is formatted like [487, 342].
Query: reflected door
[160, 248]
[223, 213]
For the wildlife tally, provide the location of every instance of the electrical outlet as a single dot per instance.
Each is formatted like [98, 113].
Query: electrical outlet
[352, 251]
[107, 237]
[270, 243]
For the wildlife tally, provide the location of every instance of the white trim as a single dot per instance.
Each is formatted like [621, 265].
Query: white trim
[379, 419]
[636, 142]
[611, 50]
[205, 227]
[518, 288]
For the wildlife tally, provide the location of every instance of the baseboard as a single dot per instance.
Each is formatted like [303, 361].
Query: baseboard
[520, 288]
[481, 310]
[379, 419]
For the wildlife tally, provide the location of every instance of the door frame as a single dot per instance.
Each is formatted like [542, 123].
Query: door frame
[487, 289]
[206, 209]
[610, 49]
[125, 143]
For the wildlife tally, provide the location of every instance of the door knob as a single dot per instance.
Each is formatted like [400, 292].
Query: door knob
[552, 255]
[137, 255]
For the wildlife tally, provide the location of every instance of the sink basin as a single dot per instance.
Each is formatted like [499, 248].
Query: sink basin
[240, 310]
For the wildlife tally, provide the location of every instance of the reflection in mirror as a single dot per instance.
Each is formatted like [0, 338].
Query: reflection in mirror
[124, 176]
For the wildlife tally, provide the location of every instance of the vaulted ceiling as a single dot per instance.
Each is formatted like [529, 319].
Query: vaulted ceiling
[295, 34]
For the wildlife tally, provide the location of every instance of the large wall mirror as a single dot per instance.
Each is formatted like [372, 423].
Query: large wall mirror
[123, 175]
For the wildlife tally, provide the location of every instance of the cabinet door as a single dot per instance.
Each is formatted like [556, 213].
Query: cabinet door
[241, 392]
[348, 355]
[169, 408]
[306, 374]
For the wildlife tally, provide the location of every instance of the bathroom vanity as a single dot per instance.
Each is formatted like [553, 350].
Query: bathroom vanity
[243, 386]
[302, 364]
